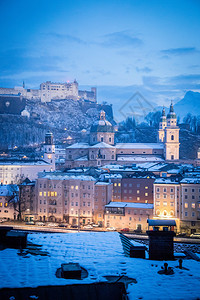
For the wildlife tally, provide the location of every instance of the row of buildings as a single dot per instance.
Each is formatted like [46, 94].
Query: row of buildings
[52, 91]
[122, 200]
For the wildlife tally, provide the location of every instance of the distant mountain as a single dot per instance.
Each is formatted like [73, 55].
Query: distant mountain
[189, 104]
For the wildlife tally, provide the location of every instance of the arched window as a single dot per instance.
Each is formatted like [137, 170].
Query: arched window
[171, 213]
[172, 137]
[165, 213]
[157, 212]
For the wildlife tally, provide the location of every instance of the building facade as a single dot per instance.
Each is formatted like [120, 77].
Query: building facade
[102, 196]
[128, 215]
[65, 198]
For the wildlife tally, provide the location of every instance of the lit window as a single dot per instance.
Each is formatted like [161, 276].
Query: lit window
[48, 193]
[164, 203]
[40, 193]
[186, 205]
[115, 184]
[146, 194]
[6, 204]
[52, 194]
[157, 212]
[119, 184]
[138, 198]
[1, 204]
[193, 205]
[55, 193]
[72, 187]
[138, 191]
[171, 203]
[157, 203]
[171, 213]
[45, 193]
[146, 187]
[76, 187]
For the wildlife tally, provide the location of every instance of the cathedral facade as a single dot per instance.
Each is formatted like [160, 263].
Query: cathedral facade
[102, 149]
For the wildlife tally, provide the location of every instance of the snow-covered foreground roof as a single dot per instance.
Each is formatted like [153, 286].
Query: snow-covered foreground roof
[101, 254]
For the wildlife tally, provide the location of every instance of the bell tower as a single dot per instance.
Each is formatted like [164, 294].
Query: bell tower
[162, 125]
[171, 136]
[49, 149]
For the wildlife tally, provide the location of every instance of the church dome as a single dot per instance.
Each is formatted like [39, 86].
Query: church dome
[171, 114]
[102, 125]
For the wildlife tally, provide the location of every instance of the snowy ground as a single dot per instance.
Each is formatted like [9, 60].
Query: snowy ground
[101, 254]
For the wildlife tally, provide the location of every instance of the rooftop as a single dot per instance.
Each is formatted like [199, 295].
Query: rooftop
[101, 254]
[140, 145]
[62, 176]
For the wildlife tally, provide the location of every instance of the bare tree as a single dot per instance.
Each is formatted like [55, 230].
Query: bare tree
[17, 200]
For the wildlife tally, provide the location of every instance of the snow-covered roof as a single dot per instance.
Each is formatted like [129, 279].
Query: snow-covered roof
[165, 181]
[66, 177]
[193, 180]
[101, 254]
[7, 190]
[78, 146]
[102, 145]
[139, 158]
[130, 204]
[157, 167]
[140, 146]
[102, 183]
[23, 162]
[113, 176]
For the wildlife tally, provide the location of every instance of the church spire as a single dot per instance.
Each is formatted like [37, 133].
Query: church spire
[171, 107]
[163, 112]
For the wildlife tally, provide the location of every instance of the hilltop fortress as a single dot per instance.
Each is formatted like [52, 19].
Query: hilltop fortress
[52, 91]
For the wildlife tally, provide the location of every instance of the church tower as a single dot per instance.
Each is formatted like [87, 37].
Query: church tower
[49, 149]
[162, 125]
[171, 138]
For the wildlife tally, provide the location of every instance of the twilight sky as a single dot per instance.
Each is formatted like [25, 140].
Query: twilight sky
[122, 47]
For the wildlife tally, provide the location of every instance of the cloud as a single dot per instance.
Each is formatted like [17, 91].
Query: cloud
[143, 70]
[121, 39]
[179, 51]
[19, 62]
[65, 37]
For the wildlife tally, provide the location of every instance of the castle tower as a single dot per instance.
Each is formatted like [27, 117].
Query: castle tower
[171, 138]
[49, 149]
[102, 131]
[162, 125]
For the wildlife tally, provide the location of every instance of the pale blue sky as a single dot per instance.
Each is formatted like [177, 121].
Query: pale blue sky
[148, 46]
